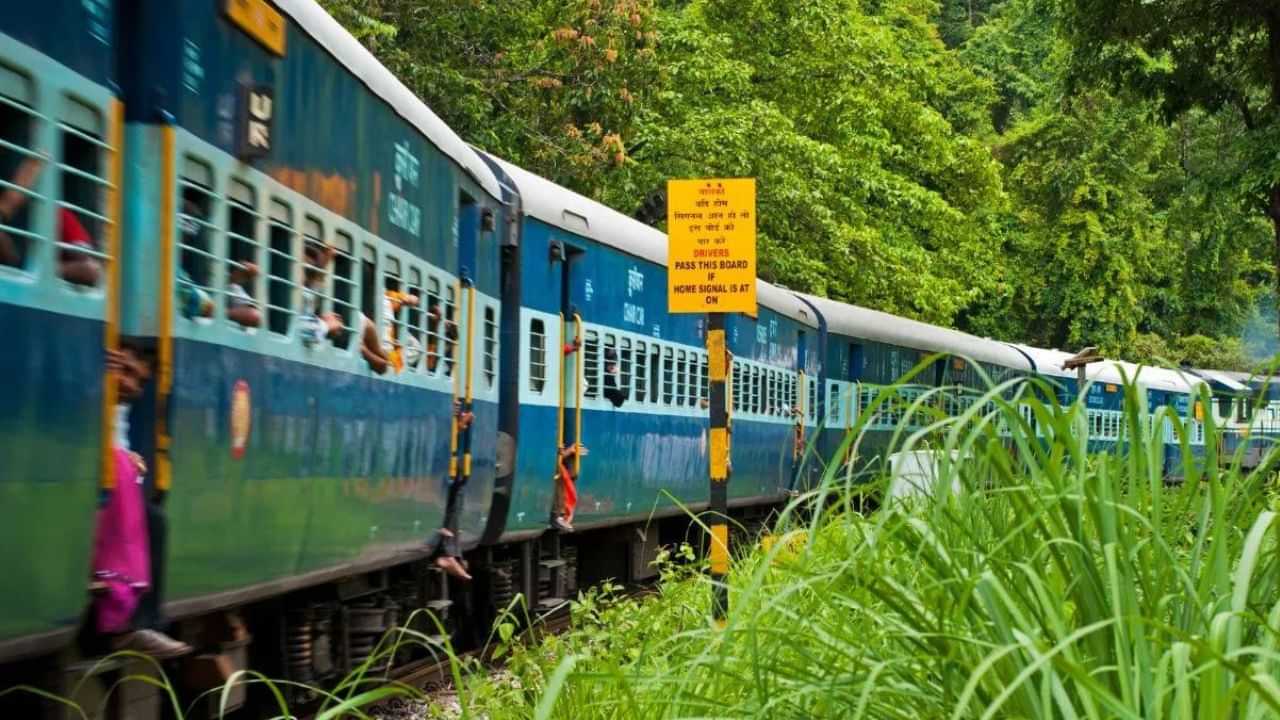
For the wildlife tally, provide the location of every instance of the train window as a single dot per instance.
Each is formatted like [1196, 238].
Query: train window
[610, 362]
[694, 387]
[737, 386]
[793, 398]
[369, 284]
[315, 281]
[770, 404]
[682, 377]
[241, 290]
[1224, 406]
[537, 355]
[762, 388]
[490, 346]
[82, 221]
[833, 404]
[624, 364]
[691, 380]
[435, 340]
[695, 380]
[668, 377]
[19, 170]
[784, 381]
[413, 318]
[775, 390]
[753, 392]
[196, 251]
[591, 363]
[280, 268]
[450, 329]
[344, 286]
[704, 373]
[812, 408]
[641, 379]
[654, 369]
[397, 343]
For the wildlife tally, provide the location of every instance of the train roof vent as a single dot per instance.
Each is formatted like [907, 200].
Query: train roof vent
[574, 221]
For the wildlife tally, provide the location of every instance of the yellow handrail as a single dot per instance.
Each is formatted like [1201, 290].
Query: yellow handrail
[471, 336]
[804, 395]
[577, 382]
[111, 336]
[452, 355]
[164, 371]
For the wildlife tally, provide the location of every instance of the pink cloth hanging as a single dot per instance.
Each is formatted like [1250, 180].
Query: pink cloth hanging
[121, 550]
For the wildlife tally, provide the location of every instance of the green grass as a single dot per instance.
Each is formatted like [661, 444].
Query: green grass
[1058, 584]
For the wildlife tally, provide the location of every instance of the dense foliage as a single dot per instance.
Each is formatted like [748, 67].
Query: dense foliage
[1027, 169]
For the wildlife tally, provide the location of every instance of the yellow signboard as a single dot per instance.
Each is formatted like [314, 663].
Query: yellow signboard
[259, 21]
[711, 236]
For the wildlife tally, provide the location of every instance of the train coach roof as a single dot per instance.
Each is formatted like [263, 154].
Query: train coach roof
[1221, 378]
[361, 63]
[1049, 362]
[1158, 378]
[561, 207]
[860, 322]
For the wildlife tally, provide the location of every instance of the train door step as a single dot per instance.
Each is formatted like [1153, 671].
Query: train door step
[440, 604]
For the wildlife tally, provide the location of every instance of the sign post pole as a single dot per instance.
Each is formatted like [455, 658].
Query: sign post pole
[718, 500]
[711, 231]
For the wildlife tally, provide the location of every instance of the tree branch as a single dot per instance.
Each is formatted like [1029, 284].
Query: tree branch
[1246, 114]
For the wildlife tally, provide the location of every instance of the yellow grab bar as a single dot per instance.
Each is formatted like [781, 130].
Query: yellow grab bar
[577, 382]
[452, 356]
[111, 337]
[471, 338]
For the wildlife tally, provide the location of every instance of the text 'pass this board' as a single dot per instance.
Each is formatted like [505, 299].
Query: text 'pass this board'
[711, 235]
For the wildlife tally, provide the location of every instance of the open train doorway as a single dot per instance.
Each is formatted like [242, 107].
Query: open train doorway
[573, 356]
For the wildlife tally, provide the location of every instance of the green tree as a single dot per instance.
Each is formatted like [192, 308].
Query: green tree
[1196, 54]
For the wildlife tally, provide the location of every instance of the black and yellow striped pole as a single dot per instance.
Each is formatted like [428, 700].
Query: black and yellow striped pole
[718, 359]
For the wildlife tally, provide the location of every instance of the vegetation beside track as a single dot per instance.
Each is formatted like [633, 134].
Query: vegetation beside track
[1058, 585]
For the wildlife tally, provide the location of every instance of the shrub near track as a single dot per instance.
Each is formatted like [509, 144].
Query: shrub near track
[1055, 584]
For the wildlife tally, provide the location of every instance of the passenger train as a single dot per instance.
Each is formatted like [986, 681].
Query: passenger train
[200, 157]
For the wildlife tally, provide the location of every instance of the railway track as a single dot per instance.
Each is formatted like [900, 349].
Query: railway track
[434, 676]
